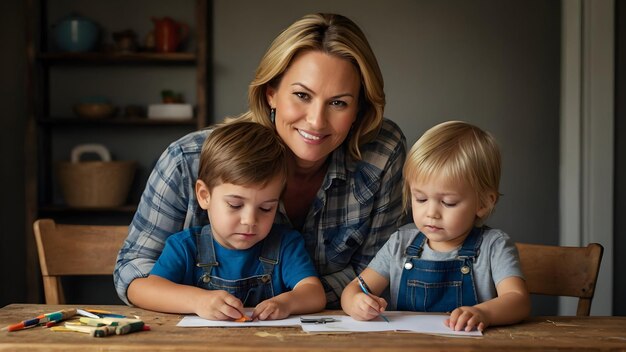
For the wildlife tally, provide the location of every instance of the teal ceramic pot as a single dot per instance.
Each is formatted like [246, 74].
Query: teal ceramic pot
[76, 34]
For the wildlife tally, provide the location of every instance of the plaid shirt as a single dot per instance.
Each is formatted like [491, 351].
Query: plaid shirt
[357, 208]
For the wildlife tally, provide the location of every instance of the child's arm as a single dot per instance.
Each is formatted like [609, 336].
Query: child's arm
[511, 306]
[159, 294]
[361, 306]
[306, 297]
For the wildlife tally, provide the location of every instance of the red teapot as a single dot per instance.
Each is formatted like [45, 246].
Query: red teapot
[168, 34]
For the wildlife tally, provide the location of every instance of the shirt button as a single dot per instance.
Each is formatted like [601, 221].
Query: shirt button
[408, 265]
[351, 242]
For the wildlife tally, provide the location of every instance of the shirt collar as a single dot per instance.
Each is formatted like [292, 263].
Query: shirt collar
[338, 167]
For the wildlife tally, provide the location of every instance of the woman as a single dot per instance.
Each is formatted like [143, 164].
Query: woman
[319, 84]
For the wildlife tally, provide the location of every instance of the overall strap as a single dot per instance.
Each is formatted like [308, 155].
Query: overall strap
[205, 252]
[471, 245]
[415, 249]
[270, 252]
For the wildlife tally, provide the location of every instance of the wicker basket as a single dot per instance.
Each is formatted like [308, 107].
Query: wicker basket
[95, 184]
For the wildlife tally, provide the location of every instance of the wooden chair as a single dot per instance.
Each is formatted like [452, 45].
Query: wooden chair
[66, 250]
[562, 271]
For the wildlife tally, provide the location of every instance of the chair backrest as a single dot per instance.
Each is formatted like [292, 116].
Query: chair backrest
[67, 250]
[562, 271]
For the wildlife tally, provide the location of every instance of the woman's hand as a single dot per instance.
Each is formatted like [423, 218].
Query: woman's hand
[218, 305]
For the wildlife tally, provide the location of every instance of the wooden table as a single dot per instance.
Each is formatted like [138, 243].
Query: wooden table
[537, 333]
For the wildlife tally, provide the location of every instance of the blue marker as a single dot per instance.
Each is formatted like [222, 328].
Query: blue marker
[367, 291]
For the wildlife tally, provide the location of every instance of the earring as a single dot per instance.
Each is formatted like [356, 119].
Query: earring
[273, 115]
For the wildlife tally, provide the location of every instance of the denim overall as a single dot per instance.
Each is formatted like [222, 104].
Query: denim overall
[251, 290]
[439, 286]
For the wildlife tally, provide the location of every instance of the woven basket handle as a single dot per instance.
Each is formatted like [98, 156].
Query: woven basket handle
[98, 149]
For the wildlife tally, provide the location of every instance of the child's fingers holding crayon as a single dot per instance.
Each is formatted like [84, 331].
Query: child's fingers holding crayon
[232, 307]
[218, 305]
[244, 318]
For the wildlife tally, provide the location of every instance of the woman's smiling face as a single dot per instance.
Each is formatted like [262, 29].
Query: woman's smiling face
[316, 104]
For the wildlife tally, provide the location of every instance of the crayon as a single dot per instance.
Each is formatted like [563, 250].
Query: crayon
[104, 313]
[127, 328]
[103, 331]
[43, 318]
[24, 324]
[93, 322]
[61, 315]
[81, 328]
[243, 319]
[87, 314]
[117, 321]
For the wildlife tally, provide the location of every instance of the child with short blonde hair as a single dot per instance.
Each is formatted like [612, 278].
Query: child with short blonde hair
[448, 260]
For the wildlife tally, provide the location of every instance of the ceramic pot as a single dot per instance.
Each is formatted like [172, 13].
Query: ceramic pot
[75, 33]
[168, 34]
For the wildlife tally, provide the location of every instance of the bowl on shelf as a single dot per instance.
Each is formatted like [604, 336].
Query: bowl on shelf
[75, 33]
[94, 110]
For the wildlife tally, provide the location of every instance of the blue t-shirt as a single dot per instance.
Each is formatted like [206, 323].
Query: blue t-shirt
[177, 262]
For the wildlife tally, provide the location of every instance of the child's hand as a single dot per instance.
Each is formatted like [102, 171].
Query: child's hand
[270, 309]
[367, 307]
[468, 318]
[218, 305]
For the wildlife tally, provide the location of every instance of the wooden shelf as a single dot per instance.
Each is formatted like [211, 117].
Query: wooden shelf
[62, 209]
[118, 58]
[52, 77]
[116, 121]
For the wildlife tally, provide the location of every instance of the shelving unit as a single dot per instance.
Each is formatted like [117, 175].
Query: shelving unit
[142, 58]
[57, 80]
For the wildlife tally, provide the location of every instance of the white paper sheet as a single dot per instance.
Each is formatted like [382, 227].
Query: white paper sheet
[195, 321]
[398, 321]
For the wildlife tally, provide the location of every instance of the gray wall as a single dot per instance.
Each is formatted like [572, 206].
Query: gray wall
[492, 63]
[619, 241]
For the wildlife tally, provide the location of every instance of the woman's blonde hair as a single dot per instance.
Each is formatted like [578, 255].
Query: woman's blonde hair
[242, 153]
[455, 151]
[334, 35]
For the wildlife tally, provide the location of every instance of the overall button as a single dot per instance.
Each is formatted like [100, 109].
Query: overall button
[408, 265]
[465, 269]
[265, 278]
[206, 279]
